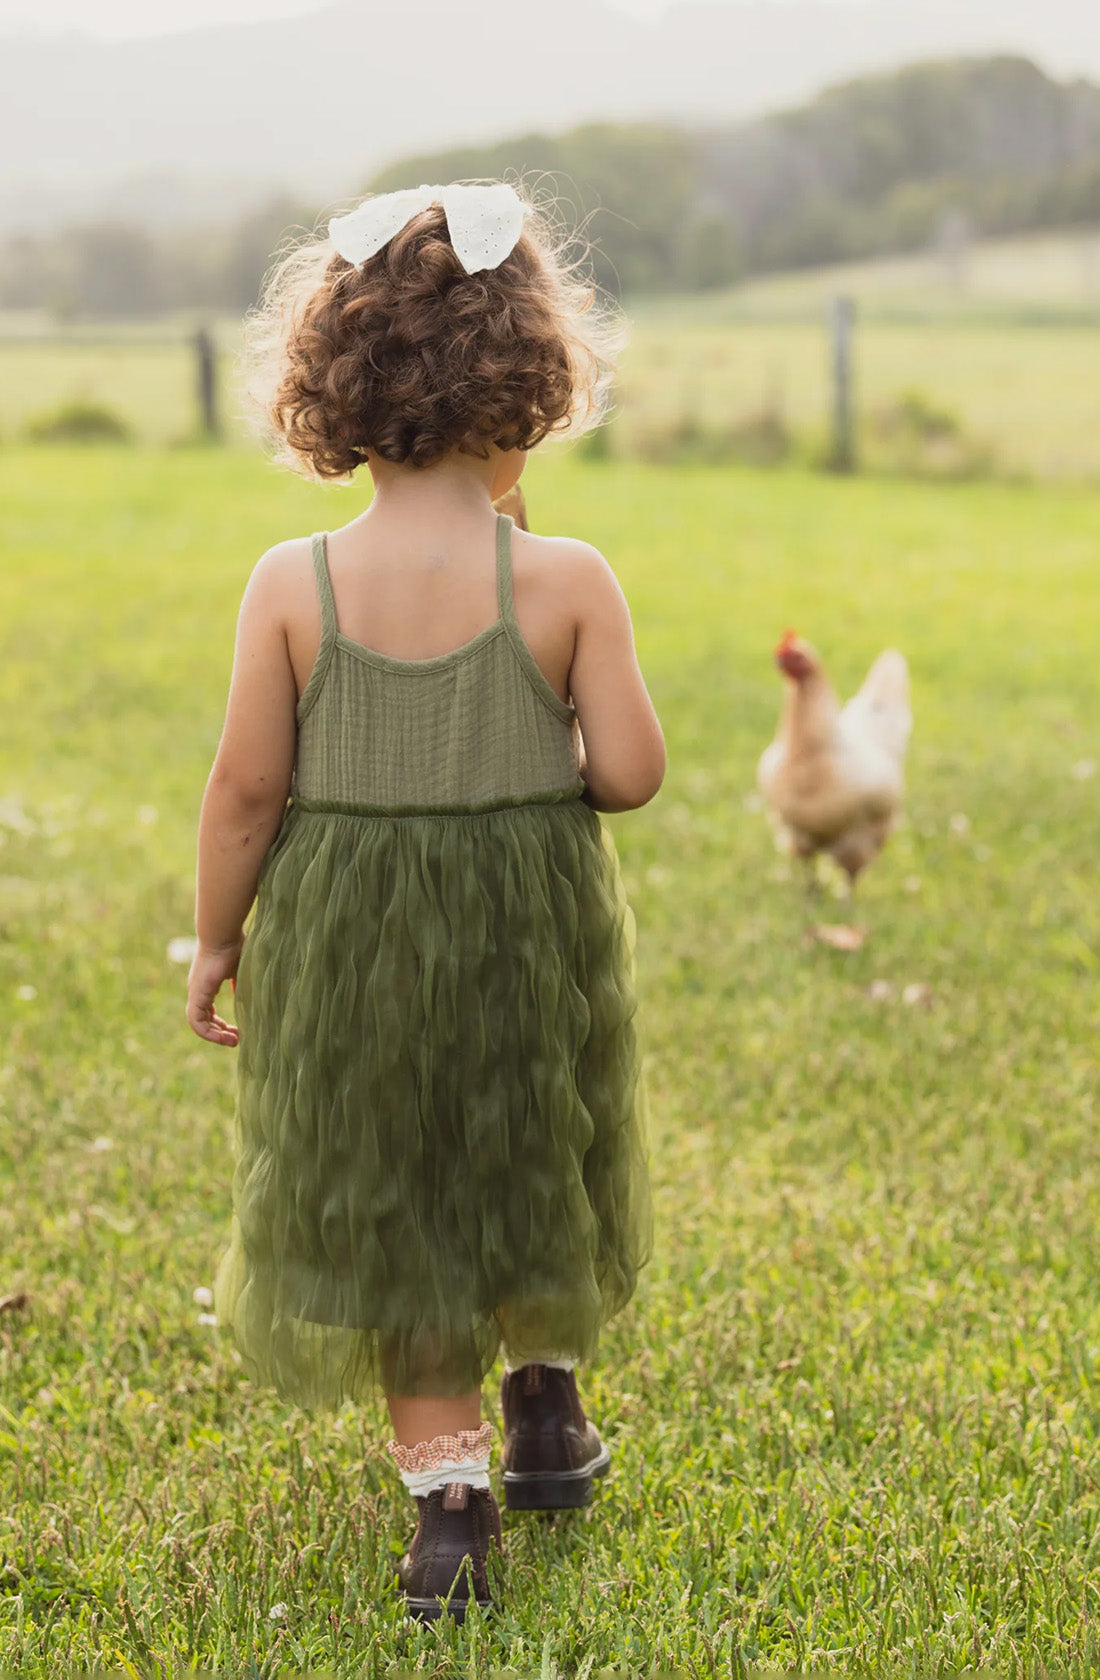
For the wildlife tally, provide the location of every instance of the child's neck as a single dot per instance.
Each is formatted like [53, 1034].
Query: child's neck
[447, 487]
[455, 489]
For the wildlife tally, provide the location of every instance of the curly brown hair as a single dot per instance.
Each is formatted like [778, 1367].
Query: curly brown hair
[410, 356]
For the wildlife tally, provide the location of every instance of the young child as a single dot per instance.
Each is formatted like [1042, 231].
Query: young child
[439, 1133]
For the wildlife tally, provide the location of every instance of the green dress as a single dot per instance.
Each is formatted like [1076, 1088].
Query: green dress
[439, 1131]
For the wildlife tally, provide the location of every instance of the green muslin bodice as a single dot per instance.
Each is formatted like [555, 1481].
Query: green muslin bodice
[473, 726]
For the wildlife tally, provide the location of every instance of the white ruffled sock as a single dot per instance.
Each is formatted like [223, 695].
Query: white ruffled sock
[446, 1458]
[553, 1364]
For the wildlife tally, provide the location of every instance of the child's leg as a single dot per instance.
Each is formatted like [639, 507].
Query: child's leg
[421, 1417]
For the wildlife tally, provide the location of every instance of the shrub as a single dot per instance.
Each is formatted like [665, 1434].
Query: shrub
[595, 445]
[915, 436]
[762, 439]
[78, 421]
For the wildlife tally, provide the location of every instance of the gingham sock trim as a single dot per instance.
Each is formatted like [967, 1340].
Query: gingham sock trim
[471, 1444]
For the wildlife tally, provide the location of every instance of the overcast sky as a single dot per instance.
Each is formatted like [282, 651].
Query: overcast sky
[119, 19]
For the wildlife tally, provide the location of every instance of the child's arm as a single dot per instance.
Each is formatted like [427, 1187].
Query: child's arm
[245, 798]
[623, 748]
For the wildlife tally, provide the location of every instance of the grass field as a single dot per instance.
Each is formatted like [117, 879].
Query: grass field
[853, 1406]
[1013, 355]
[1027, 395]
[1042, 277]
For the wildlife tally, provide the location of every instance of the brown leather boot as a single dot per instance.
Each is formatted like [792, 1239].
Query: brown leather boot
[551, 1451]
[457, 1525]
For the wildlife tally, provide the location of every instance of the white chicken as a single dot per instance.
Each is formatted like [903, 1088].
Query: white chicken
[832, 779]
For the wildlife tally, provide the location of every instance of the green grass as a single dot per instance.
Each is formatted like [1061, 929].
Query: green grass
[1009, 352]
[852, 1406]
[1027, 393]
[151, 387]
[1011, 355]
[1039, 278]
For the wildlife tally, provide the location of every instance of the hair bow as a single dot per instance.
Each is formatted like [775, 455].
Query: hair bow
[484, 222]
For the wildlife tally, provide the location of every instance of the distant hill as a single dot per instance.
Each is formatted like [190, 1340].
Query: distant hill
[933, 153]
[886, 163]
[152, 130]
[936, 151]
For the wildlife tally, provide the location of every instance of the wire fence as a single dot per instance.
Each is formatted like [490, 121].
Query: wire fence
[118, 371]
[837, 388]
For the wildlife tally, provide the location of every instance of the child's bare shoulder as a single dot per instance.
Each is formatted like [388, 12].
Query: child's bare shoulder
[283, 559]
[282, 575]
[571, 562]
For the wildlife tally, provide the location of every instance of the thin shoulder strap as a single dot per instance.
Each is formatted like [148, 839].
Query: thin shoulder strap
[507, 608]
[308, 697]
[505, 603]
[324, 586]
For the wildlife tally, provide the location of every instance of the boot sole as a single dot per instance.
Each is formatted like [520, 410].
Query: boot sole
[431, 1609]
[553, 1490]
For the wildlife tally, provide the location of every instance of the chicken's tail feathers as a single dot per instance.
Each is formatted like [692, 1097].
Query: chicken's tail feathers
[883, 702]
[888, 676]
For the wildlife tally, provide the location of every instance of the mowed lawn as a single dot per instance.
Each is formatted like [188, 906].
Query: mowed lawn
[853, 1406]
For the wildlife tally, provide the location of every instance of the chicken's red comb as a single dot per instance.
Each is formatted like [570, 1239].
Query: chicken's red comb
[788, 640]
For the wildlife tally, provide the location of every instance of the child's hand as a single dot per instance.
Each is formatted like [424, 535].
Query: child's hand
[209, 972]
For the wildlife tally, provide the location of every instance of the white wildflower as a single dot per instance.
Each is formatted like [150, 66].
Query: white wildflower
[182, 950]
[202, 1296]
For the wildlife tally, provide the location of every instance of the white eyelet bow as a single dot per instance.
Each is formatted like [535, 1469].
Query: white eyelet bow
[484, 222]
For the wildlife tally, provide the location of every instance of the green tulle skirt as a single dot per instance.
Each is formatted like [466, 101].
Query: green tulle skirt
[439, 1130]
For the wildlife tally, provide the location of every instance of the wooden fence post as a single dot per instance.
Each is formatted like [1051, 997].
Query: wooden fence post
[207, 388]
[842, 454]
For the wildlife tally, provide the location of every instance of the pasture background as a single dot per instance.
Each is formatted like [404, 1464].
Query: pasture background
[852, 1407]
[1009, 350]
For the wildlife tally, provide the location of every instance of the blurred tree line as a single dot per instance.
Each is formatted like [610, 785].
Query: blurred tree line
[884, 163]
[881, 164]
[119, 270]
